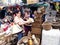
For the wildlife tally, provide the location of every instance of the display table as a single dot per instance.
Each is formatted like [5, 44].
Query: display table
[51, 37]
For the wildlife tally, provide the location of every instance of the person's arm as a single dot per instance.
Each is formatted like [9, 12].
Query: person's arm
[23, 22]
[31, 20]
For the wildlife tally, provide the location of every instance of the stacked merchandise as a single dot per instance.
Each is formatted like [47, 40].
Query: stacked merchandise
[56, 24]
[29, 40]
[2, 39]
[37, 25]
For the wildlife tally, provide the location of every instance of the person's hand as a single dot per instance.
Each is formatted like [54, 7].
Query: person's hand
[23, 31]
[26, 18]
[30, 20]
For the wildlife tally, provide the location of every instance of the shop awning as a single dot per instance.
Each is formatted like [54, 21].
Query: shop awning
[36, 5]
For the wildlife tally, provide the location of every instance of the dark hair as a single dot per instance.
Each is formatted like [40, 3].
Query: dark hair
[14, 13]
[17, 11]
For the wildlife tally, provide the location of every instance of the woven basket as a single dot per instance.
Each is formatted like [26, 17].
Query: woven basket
[46, 26]
[26, 37]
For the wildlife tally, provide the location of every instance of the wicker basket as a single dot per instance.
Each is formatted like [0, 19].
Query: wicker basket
[26, 37]
[56, 25]
[47, 25]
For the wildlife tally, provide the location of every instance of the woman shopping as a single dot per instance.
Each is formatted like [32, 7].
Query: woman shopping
[19, 22]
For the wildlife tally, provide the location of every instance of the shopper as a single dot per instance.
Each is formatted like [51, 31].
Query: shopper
[29, 25]
[20, 22]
